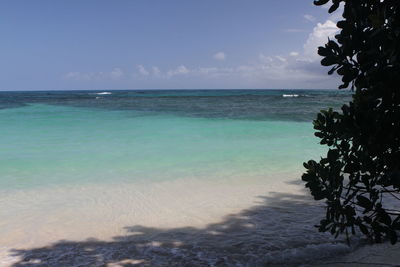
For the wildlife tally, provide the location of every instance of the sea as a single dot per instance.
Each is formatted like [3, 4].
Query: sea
[161, 178]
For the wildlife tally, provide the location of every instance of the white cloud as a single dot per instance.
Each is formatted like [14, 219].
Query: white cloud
[114, 74]
[265, 59]
[282, 59]
[178, 71]
[219, 56]
[156, 71]
[213, 73]
[73, 75]
[296, 69]
[310, 18]
[319, 37]
[142, 70]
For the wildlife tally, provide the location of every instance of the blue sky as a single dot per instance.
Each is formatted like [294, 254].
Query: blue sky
[145, 44]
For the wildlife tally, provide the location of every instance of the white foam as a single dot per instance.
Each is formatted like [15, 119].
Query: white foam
[104, 93]
[290, 95]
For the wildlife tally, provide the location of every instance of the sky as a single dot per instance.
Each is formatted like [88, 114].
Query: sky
[164, 44]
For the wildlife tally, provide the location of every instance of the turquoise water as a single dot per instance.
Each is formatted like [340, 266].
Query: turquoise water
[55, 138]
[217, 165]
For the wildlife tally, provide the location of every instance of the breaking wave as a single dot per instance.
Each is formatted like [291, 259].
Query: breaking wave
[104, 93]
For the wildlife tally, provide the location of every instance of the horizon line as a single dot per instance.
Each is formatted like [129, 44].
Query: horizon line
[169, 89]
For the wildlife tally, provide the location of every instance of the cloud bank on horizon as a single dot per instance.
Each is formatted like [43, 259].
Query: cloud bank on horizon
[266, 63]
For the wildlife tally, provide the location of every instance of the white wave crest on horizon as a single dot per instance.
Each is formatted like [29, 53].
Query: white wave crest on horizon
[104, 93]
[290, 95]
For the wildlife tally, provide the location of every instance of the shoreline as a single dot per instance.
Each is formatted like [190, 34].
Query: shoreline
[203, 222]
[79, 208]
[200, 221]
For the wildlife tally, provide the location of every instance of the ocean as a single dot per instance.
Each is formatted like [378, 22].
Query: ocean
[162, 176]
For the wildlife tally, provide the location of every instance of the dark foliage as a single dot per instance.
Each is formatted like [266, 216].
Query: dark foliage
[360, 176]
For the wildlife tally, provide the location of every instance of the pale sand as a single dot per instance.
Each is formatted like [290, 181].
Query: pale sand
[171, 222]
[39, 216]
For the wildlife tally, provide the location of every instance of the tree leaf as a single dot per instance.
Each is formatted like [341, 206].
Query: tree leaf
[364, 202]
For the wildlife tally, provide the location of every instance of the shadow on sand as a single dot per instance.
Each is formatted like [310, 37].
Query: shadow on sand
[279, 230]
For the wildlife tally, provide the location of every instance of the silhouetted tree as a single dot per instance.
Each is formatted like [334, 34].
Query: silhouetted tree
[360, 176]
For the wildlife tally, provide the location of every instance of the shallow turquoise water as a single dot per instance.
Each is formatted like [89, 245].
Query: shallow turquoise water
[83, 165]
[70, 138]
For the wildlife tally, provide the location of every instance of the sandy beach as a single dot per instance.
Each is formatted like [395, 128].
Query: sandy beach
[199, 133]
[249, 225]
[91, 184]
[252, 223]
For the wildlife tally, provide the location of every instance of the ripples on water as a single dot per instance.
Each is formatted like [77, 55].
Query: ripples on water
[297, 105]
[278, 232]
[60, 143]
